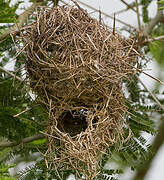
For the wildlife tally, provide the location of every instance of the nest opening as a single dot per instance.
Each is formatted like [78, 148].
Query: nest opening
[73, 122]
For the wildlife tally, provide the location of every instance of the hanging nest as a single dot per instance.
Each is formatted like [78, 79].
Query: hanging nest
[75, 65]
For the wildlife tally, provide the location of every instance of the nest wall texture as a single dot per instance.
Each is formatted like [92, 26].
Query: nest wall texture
[76, 65]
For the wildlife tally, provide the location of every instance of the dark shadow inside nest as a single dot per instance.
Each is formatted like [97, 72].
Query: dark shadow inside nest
[74, 122]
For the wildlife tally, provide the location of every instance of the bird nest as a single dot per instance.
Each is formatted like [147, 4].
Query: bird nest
[75, 65]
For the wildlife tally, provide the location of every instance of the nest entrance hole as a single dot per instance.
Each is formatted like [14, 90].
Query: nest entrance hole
[74, 122]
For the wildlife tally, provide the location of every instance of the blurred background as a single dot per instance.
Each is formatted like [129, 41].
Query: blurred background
[155, 66]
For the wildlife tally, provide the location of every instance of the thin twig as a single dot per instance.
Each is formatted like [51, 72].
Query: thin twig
[152, 95]
[119, 12]
[141, 71]
[22, 141]
[159, 38]
[11, 74]
[129, 6]
[154, 78]
[16, 115]
[138, 15]
[114, 25]
[21, 20]
[105, 14]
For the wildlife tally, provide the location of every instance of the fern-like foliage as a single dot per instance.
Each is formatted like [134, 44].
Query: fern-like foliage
[161, 3]
[40, 171]
[7, 13]
[15, 98]
[4, 172]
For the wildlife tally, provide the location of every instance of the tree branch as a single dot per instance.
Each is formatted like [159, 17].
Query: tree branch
[138, 15]
[152, 95]
[159, 38]
[11, 74]
[22, 141]
[21, 20]
[159, 139]
[128, 6]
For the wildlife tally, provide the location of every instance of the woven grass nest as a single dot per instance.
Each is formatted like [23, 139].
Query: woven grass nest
[76, 65]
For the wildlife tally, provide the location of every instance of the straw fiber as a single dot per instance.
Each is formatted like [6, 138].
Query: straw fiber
[76, 65]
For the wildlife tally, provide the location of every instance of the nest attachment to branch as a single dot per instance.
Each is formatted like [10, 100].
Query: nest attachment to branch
[75, 65]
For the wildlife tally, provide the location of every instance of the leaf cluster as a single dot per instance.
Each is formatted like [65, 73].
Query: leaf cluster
[145, 15]
[161, 3]
[7, 12]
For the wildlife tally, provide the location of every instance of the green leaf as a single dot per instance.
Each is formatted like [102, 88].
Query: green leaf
[39, 142]
[4, 171]
[7, 13]
[161, 3]
[157, 49]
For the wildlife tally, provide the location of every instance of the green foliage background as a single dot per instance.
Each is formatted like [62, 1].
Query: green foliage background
[15, 97]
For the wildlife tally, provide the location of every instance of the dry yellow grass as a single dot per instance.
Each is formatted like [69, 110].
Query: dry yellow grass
[76, 65]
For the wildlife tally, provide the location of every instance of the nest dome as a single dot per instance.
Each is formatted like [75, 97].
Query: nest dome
[76, 64]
